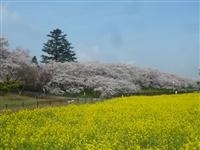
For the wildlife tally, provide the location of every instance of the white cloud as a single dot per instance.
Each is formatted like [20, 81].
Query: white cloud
[10, 16]
[90, 54]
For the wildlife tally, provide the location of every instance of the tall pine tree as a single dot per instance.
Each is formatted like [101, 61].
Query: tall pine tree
[58, 48]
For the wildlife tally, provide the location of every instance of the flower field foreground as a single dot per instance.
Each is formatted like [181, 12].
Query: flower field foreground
[138, 122]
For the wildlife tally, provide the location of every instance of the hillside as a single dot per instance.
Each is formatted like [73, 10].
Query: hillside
[107, 80]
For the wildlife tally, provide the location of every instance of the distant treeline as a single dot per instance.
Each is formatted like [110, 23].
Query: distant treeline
[20, 72]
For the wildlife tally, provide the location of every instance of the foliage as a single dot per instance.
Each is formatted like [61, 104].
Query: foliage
[35, 61]
[58, 48]
[28, 76]
[18, 66]
[13, 61]
[3, 48]
[139, 122]
[85, 93]
[9, 84]
[110, 79]
[84, 79]
[44, 76]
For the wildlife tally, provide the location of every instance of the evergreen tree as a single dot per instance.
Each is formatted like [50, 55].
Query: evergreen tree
[58, 48]
[35, 61]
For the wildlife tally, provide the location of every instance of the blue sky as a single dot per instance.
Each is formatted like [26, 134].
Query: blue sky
[157, 34]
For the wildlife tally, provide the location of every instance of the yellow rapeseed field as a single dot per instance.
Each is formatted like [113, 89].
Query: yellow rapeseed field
[138, 122]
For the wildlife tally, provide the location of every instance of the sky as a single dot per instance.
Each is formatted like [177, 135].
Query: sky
[158, 34]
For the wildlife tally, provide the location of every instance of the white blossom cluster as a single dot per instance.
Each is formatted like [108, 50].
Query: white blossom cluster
[13, 61]
[106, 79]
[109, 79]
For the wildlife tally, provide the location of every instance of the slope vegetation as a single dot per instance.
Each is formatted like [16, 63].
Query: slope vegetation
[139, 122]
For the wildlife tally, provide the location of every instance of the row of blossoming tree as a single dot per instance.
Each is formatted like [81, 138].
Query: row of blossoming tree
[59, 73]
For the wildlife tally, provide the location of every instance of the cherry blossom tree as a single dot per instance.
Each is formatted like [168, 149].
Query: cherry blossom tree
[88, 79]
[109, 79]
[16, 66]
